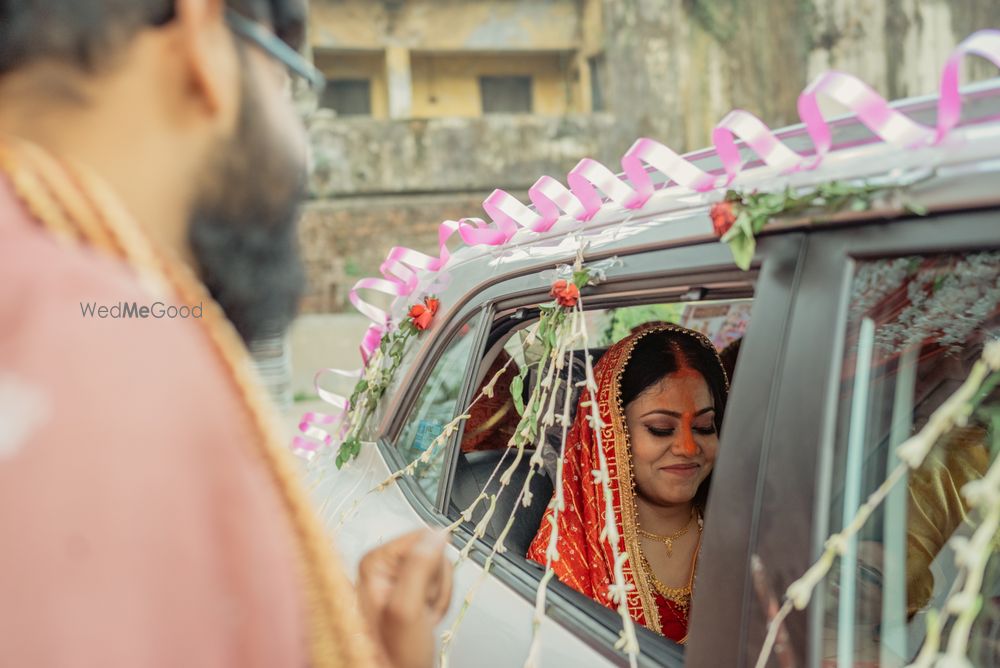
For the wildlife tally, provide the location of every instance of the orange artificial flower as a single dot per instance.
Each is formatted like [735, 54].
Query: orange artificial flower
[566, 293]
[723, 216]
[423, 314]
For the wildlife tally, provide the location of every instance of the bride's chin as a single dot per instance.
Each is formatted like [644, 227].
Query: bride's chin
[676, 497]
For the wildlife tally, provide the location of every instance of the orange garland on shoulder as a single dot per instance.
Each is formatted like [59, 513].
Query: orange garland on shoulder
[78, 208]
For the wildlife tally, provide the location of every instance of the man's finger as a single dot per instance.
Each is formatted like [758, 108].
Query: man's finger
[421, 570]
[385, 558]
[444, 589]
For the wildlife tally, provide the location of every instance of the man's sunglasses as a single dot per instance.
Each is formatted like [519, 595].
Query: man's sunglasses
[277, 49]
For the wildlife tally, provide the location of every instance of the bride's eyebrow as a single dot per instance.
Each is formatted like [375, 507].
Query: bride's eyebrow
[663, 411]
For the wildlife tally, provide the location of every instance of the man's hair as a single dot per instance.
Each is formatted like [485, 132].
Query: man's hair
[88, 33]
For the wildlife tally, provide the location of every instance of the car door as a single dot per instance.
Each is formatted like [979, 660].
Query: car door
[678, 275]
[363, 512]
[496, 628]
[873, 344]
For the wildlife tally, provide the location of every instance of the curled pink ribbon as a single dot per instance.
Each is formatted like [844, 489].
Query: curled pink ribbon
[592, 187]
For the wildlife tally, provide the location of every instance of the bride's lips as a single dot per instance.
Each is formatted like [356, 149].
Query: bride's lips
[681, 470]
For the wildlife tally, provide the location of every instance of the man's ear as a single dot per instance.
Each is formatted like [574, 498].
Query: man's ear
[206, 45]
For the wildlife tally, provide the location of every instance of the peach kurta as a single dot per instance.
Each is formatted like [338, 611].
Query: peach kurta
[139, 527]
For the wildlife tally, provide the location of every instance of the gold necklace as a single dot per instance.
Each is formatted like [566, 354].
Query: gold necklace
[667, 540]
[75, 206]
[679, 596]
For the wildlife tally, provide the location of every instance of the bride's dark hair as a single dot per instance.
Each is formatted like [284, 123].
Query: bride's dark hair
[662, 352]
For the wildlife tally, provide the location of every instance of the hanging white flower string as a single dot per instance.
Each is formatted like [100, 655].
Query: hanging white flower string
[436, 447]
[558, 504]
[912, 453]
[524, 433]
[544, 395]
[531, 429]
[627, 641]
[971, 558]
[560, 331]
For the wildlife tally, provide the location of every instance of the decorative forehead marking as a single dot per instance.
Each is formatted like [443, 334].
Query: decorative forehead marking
[683, 363]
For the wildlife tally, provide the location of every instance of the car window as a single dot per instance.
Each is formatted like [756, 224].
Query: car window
[915, 326]
[436, 406]
[483, 454]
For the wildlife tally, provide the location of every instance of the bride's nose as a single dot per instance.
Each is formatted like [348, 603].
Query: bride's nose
[684, 443]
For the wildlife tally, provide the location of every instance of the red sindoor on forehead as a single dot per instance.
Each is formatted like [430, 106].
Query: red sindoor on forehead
[684, 368]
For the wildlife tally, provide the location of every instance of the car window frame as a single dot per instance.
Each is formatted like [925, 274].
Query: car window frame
[656, 271]
[724, 582]
[806, 403]
[416, 381]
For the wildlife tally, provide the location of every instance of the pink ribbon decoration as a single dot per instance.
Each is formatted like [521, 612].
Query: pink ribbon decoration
[985, 44]
[549, 197]
[889, 125]
[757, 136]
[312, 435]
[667, 162]
[592, 187]
[589, 177]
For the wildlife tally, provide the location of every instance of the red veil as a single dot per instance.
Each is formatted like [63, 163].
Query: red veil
[586, 561]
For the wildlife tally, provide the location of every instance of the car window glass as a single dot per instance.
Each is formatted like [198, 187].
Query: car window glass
[436, 406]
[915, 326]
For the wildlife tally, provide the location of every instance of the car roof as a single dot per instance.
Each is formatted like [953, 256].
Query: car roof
[957, 173]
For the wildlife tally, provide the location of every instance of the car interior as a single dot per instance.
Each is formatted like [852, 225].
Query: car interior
[474, 472]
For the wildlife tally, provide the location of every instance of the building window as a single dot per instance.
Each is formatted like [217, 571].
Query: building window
[598, 69]
[348, 97]
[505, 95]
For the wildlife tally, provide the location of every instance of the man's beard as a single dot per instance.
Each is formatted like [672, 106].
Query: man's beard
[243, 231]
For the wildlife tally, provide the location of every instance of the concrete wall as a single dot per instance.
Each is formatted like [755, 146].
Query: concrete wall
[677, 66]
[346, 238]
[364, 156]
[383, 183]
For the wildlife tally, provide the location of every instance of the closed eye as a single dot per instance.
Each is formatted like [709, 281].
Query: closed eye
[669, 431]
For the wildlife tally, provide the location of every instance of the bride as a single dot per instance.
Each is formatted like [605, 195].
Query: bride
[661, 396]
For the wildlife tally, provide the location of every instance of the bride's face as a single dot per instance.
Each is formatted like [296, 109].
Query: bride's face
[672, 433]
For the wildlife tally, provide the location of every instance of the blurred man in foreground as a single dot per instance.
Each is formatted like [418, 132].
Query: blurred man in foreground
[149, 150]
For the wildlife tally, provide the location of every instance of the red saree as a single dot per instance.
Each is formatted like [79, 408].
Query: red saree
[585, 559]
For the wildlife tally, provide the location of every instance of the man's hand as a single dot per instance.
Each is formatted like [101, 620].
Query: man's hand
[405, 588]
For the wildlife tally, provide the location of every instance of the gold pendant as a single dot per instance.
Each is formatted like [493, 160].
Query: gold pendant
[670, 547]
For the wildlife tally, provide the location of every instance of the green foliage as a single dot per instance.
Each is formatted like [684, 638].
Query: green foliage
[373, 386]
[987, 409]
[349, 449]
[755, 210]
[621, 321]
[517, 391]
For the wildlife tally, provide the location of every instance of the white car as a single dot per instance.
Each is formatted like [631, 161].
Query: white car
[809, 427]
